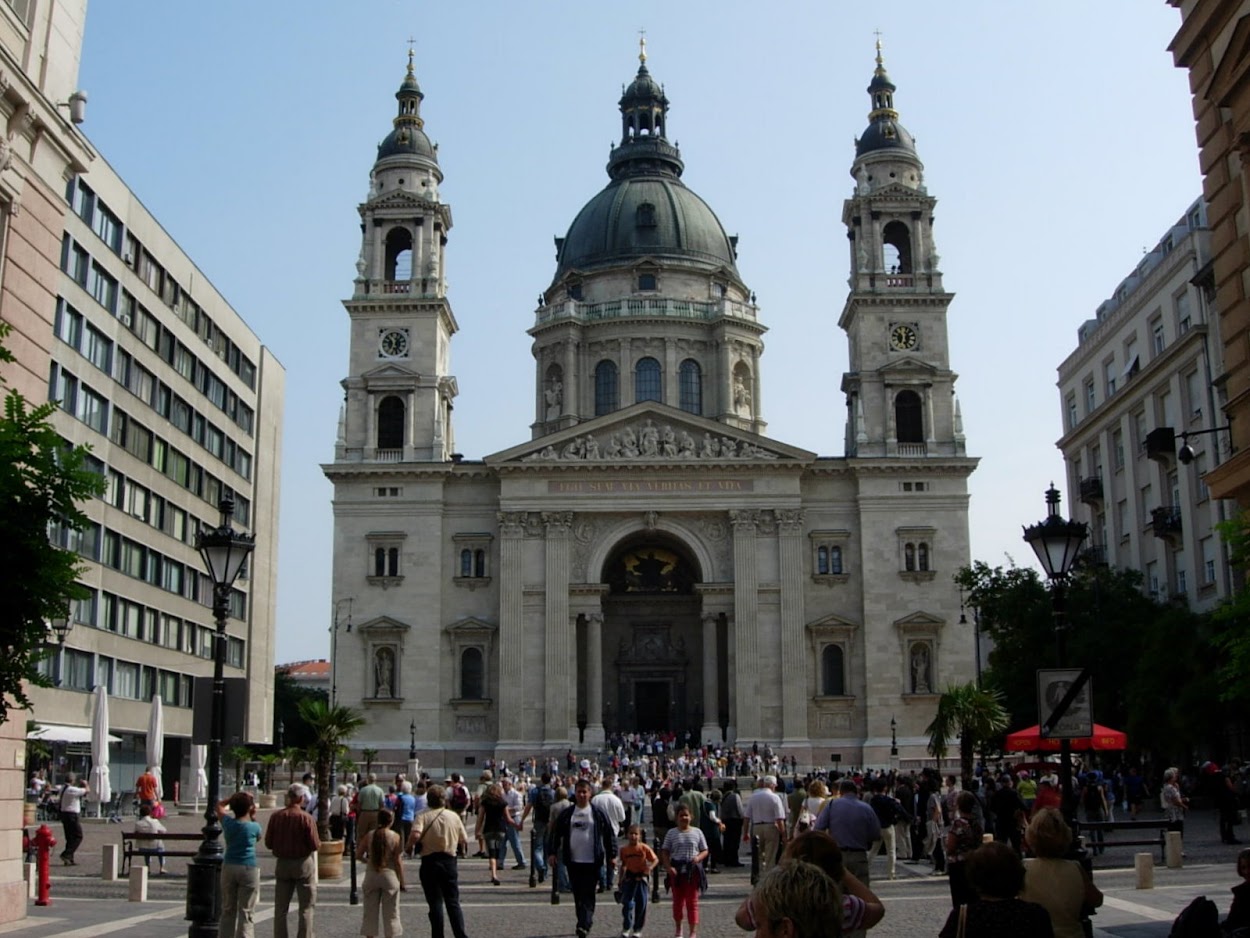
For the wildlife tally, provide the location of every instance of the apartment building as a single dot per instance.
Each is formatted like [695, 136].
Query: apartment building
[181, 405]
[1143, 424]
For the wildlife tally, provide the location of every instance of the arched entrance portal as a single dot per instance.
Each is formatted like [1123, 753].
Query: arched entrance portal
[652, 638]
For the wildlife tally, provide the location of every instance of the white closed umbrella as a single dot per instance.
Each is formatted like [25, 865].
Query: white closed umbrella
[100, 785]
[199, 758]
[156, 742]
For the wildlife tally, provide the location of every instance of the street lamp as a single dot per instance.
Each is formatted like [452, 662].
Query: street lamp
[334, 687]
[1057, 543]
[412, 740]
[60, 628]
[893, 738]
[976, 626]
[225, 551]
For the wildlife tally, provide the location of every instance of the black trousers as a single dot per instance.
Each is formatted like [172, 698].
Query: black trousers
[584, 880]
[733, 836]
[73, 832]
[440, 882]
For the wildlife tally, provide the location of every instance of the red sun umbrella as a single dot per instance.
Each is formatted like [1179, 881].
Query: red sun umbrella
[1030, 740]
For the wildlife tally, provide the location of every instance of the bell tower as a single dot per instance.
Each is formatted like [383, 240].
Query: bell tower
[399, 392]
[900, 390]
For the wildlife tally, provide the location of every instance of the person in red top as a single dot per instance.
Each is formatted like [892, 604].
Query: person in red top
[292, 836]
[147, 789]
[1047, 797]
[637, 862]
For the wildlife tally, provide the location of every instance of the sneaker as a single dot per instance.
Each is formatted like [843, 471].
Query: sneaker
[582, 932]
[519, 866]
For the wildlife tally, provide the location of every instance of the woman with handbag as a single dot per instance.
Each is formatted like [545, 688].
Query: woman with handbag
[997, 875]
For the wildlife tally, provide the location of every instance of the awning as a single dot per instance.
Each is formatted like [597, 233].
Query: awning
[56, 733]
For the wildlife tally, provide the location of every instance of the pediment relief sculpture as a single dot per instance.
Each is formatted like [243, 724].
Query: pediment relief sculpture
[647, 441]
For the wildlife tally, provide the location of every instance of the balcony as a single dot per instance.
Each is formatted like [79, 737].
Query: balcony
[1091, 490]
[1095, 556]
[646, 307]
[1165, 521]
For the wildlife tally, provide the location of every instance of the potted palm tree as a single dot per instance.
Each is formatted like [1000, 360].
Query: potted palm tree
[331, 727]
[269, 764]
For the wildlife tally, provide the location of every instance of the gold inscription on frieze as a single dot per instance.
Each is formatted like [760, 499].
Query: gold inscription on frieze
[649, 487]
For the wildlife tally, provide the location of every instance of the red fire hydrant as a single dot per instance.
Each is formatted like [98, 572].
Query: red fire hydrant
[44, 842]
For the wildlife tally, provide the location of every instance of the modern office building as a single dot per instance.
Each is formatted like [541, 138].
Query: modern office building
[1213, 43]
[646, 559]
[40, 146]
[182, 406]
[1141, 412]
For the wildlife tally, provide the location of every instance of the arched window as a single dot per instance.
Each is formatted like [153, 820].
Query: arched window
[822, 560]
[909, 556]
[479, 563]
[607, 398]
[835, 559]
[690, 385]
[471, 674]
[391, 423]
[379, 562]
[398, 254]
[922, 556]
[646, 380]
[909, 417]
[645, 217]
[832, 679]
[466, 562]
[897, 243]
[392, 561]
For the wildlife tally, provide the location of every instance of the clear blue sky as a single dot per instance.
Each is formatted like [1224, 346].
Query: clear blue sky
[1058, 139]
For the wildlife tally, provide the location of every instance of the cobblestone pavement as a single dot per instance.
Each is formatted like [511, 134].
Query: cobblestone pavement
[85, 906]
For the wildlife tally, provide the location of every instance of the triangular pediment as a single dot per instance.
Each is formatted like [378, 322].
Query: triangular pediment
[402, 199]
[908, 367]
[919, 619]
[829, 622]
[383, 625]
[651, 433]
[896, 190]
[471, 625]
[388, 370]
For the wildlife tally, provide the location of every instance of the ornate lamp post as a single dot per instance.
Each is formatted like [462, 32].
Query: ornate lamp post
[225, 551]
[60, 628]
[1057, 543]
[893, 738]
[334, 663]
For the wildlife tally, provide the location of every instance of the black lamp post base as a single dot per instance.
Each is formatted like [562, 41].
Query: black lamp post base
[203, 897]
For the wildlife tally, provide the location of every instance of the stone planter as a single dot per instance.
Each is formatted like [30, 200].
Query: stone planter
[268, 800]
[330, 860]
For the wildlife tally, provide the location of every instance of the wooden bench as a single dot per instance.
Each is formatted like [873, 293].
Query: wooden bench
[1158, 826]
[133, 845]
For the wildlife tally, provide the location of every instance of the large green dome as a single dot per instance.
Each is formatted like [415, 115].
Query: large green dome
[645, 216]
[646, 210]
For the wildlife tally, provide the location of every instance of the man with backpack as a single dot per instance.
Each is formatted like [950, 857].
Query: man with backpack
[458, 800]
[539, 804]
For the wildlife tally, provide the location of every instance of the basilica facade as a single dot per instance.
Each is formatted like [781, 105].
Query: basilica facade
[649, 559]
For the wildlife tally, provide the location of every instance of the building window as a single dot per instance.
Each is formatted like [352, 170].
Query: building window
[472, 673]
[909, 417]
[1157, 342]
[466, 562]
[647, 380]
[391, 423]
[647, 282]
[832, 671]
[1091, 401]
[646, 216]
[691, 386]
[1117, 445]
[916, 553]
[607, 398]
[1208, 560]
[1109, 376]
[1070, 407]
[1183, 318]
[385, 558]
[473, 553]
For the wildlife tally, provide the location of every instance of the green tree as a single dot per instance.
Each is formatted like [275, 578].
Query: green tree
[1231, 621]
[269, 764]
[972, 714]
[332, 727]
[368, 755]
[42, 481]
[287, 695]
[238, 756]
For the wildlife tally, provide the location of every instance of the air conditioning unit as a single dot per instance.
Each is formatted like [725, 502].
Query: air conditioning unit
[129, 260]
[125, 318]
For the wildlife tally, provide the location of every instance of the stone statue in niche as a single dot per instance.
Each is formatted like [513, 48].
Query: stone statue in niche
[742, 395]
[554, 396]
[921, 677]
[384, 673]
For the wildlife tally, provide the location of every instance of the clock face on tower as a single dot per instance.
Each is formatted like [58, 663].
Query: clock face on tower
[393, 343]
[903, 337]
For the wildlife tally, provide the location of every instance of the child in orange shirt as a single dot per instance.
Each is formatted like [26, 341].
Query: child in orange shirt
[637, 860]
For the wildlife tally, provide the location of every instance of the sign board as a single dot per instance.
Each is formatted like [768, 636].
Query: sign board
[1054, 687]
[235, 714]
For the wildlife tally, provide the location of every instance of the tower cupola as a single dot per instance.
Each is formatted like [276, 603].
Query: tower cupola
[408, 138]
[644, 148]
[884, 132]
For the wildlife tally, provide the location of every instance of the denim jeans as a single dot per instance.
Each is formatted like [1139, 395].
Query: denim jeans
[514, 841]
[635, 891]
[538, 849]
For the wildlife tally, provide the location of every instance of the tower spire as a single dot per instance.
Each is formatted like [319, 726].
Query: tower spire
[642, 47]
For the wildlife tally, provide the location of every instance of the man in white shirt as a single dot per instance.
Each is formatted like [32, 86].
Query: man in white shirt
[517, 804]
[72, 795]
[611, 805]
[765, 817]
[584, 839]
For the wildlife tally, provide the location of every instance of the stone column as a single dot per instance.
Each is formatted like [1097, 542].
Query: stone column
[671, 392]
[757, 404]
[725, 385]
[744, 708]
[594, 678]
[793, 657]
[625, 380]
[569, 405]
[556, 717]
[711, 685]
[511, 626]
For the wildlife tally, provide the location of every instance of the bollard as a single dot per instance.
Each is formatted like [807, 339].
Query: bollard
[987, 838]
[1144, 866]
[755, 859]
[138, 883]
[29, 876]
[109, 870]
[655, 872]
[1174, 850]
[533, 865]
